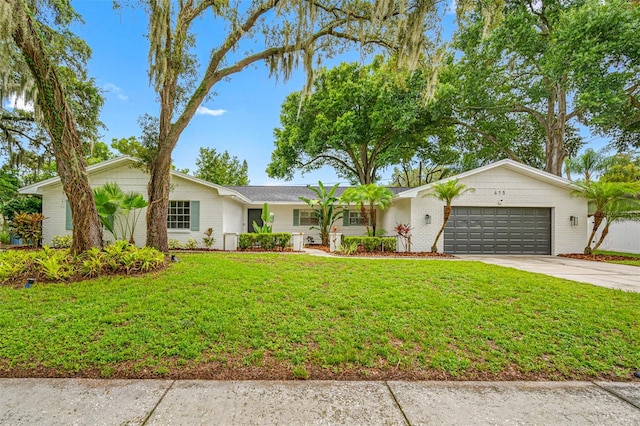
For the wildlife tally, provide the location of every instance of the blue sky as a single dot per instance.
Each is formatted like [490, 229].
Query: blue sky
[240, 118]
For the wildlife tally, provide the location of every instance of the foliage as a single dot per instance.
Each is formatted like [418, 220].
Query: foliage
[191, 244]
[339, 315]
[208, 238]
[588, 164]
[266, 241]
[175, 244]
[545, 66]
[61, 241]
[366, 197]
[118, 211]
[447, 192]
[221, 169]
[267, 219]
[347, 249]
[623, 167]
[327, 211]
[357, 120]
[5, 237]
[28, 227]
[59, 265]
[610, 199]
[371, 244]
[21, 204]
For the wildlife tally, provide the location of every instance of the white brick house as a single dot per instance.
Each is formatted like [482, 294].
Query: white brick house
[515, 209]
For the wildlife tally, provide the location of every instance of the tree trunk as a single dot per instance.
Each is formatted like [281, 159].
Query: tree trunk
[447, 214]
[598, 217]
[555, 151]
[605, 231]
[158, 191]
[61, 126]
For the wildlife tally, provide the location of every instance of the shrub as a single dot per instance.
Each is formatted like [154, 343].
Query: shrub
[372, 244]
[58, 265]
[174, 244]
[208, 239]
[61, 241]
[5, 237]
[265, 241]
[28, 226]
[191, 244]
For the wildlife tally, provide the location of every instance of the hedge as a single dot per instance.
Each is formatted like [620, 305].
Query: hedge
[371, 244]
[266, 241]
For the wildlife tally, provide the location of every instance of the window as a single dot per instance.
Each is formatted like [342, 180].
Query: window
[179, 215]
[356, 218]
[309, 218]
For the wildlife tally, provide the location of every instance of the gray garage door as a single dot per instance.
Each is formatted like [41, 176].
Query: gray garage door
[498, 230]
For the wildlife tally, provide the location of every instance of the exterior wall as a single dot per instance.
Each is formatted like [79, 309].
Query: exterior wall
[505, 188]
[398, 212]
[131, 179]
[283, 221]
[232, 219]
[623, 236]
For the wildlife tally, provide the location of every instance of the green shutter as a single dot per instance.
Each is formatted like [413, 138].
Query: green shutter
[345, 217]
[68, 220]
[296, 217]
[195, 215]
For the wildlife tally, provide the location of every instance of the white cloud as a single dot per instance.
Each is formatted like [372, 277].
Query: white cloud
[212, 112]
[18, 102]
[110, 87]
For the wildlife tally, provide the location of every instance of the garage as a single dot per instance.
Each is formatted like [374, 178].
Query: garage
[498, 230]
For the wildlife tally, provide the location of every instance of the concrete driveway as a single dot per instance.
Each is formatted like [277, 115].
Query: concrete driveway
[623, 277]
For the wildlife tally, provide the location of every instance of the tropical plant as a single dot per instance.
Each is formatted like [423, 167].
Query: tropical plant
[208, 238]
[28, 227]
[327, 210]
[615, 198]
[367, 197]
[118, 211]
[403, 231]
[61, 241]
[587, 164]
[267, 220]
[447, 192]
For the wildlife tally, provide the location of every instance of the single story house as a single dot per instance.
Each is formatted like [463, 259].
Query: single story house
[515, 209]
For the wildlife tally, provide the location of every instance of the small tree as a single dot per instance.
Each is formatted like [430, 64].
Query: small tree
[369, 195]
[613, 198]
[327, 213]
[267, 221]
[28, 227]
[447, 192]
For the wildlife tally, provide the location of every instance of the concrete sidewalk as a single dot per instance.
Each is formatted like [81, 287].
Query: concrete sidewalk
[610, 275]
[161, 402]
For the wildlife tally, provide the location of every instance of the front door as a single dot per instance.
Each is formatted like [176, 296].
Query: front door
[254, 215]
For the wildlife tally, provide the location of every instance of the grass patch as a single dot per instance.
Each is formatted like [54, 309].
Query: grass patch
[635, 261]
[235, 315]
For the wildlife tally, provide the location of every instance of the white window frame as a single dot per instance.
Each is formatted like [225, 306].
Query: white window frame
[308, 217]
[179, 215]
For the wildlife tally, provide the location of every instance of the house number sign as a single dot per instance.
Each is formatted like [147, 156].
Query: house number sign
[499, 192]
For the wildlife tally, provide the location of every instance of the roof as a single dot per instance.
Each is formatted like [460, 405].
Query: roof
[36, 188]
[512, 165]
[287, 194]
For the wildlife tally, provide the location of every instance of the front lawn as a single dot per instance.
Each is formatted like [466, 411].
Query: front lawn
[271, 316]
[630, 258]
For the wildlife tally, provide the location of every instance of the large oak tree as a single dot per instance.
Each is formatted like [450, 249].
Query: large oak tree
[42, 59]
[281, 33]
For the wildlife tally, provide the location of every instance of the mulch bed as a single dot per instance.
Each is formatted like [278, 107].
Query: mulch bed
[597, 257]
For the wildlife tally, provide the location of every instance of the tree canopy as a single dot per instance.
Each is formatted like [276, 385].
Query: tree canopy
[358, 119]
[221, 168]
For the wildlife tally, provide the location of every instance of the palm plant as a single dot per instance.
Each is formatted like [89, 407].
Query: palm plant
[327, 212]
[447, 192]
[617, 199]
[369, 195]
[588, 164]
[115, 209]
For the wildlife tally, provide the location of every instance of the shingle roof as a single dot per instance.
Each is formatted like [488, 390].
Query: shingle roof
[291, 194]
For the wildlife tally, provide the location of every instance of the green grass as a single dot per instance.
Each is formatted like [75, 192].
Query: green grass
[302, 313]
[622, 262]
